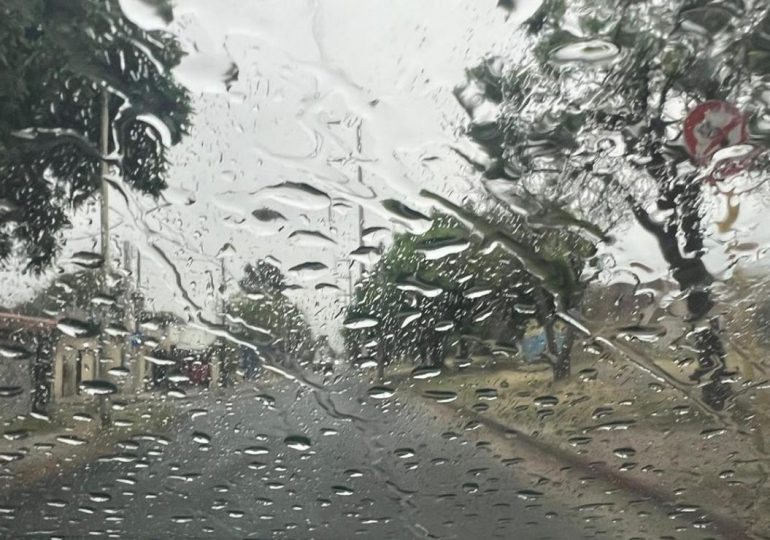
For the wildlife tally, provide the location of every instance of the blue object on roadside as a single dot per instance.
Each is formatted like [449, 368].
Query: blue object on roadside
[533, 347]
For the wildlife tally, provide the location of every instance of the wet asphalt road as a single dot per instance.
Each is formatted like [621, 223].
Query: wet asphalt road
[374, 469]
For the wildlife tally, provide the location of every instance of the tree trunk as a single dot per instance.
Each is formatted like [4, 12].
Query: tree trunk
[711, 364]
[436, 351]
[104, 134]
[463, 351]
[380, 360]
[562, 362]
[550, 337]
[39, 394]
[423, 347]
[692, 276]
[559, 357]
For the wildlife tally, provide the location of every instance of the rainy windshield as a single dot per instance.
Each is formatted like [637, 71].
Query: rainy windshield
[387, 269]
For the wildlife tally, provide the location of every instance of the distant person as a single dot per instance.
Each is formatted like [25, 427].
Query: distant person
[249, 363]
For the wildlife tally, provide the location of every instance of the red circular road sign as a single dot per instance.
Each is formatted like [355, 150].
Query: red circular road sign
[713, 125]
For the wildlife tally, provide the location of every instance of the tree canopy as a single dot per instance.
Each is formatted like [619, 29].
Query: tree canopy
[589, 119]
[585, 128]
[447, 288]
[261, 314]
[56, 57]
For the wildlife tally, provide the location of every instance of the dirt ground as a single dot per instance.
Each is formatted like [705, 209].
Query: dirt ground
[614, 414]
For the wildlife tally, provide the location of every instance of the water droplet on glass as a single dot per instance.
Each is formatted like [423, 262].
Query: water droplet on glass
[98, 387]
[546, 401]
[87, 259]
[297, 442]
[486, 393]
[71, 440]
[342, 491]
[256, 450]
[425, 372]
[587, 52]
[529, 494]
[201, 438]
[76, 328]
[441, 396]
[380, 392]
[624, 453]
[357, 323]
[10, 391]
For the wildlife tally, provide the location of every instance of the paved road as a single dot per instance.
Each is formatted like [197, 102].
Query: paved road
[374, 469]
[280, 460]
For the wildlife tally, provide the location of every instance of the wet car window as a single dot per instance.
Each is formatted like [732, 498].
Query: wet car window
[384, 269]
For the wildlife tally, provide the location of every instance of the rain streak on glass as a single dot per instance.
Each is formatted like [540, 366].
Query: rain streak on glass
[384, 269]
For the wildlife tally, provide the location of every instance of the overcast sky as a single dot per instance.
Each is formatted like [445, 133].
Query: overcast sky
[309, 74]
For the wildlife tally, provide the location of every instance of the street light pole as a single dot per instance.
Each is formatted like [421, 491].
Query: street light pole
[359, 147]
[105, 191]
[216, 367]
[104, 126]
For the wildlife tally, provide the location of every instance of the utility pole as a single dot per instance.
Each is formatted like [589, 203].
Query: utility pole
[105, 191]
[104, 126]
[104, 412]
[216, 363]
[380, 347]
[360, 208]
[350, 282]
[128, 302]
[137, 302]
[361, 233]
[222, 288]
[138, 270]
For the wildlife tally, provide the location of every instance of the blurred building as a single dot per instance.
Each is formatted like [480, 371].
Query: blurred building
[26, 345]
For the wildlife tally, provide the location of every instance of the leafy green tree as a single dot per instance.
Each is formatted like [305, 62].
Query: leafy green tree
[585, 127]
[56, 59]
[262, 278]
[76, 295]
[261, 314]
[447, 289]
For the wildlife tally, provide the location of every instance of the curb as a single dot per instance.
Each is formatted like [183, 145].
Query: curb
[561, 458]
